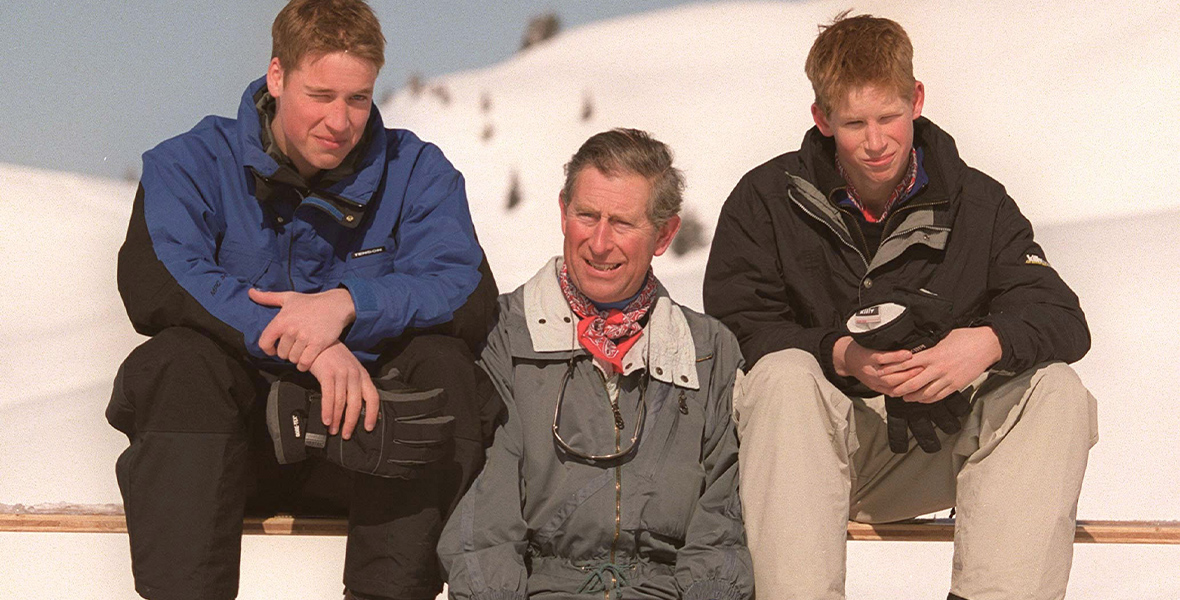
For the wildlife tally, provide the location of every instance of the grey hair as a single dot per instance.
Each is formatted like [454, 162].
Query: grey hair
[631, 151]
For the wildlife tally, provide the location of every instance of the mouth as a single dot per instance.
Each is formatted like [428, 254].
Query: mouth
[602, 267]
[330, 143]
[879, 162]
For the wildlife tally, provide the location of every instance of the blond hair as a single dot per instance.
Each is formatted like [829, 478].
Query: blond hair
[307, 27]
[853, 52]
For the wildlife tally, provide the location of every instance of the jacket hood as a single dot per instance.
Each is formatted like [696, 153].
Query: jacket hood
[356, 187]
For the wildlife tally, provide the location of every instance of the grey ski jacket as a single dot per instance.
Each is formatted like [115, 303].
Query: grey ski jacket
[662, 521]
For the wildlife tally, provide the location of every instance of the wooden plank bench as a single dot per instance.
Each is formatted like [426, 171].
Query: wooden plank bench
[108, 518]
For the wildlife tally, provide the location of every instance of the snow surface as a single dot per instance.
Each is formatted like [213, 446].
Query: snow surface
[1071, 105]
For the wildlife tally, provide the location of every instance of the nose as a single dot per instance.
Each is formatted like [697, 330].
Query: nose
[336, 118]
[874, 139]
[601, 240]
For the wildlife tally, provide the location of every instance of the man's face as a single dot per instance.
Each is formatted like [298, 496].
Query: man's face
[609, 241]
[323, 107]
[874, 132]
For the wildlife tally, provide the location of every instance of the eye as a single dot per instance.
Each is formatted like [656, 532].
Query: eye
[622, 225]
[361, 99]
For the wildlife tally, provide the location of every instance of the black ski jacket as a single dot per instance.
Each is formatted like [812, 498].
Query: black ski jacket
[787, 267]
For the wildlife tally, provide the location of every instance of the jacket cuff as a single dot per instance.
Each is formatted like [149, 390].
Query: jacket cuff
[1007, 365]
[713, 590]
[362, 333]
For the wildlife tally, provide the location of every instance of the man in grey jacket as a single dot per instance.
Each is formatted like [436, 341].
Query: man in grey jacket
[615, 472]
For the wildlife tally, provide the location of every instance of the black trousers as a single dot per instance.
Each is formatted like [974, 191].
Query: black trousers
[200, 456]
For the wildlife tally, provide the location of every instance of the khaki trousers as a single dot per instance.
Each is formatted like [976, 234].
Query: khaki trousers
[812, 458]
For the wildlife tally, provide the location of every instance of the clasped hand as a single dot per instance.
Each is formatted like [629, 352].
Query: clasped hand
[307, 332]
[924, 377]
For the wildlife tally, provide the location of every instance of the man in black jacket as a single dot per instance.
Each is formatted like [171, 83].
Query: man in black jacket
[880, 288]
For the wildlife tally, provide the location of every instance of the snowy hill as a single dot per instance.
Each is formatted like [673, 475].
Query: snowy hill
[1072, 106]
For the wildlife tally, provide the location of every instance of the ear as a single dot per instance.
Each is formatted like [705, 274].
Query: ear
[821, 120]
[274, 77]
[561, 208]
[667, 234]
[919, 98]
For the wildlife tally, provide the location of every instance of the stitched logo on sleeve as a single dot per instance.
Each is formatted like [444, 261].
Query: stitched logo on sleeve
[377, 250]
[217, 285]
[1033, 259]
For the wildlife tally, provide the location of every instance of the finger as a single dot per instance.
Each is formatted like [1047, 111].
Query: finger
[285, 344]
[372, 402]
[310, 353]
[913, 384]
[898, 367]
[895, 379]
[341, 402]
[267, 298]
[328, 402]
[887, 358]
[355, 400]
[266, 341]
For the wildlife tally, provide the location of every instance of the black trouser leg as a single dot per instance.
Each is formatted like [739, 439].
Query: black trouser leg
[183, 402]
[394, 524]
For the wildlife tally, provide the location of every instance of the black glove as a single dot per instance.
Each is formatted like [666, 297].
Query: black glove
[914, 321]
[921, 419]
[410, 434]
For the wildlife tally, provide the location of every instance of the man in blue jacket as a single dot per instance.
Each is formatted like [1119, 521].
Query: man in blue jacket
[303, 239]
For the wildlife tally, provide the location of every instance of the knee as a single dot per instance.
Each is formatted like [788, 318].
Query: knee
[789, 388]
[432, 360]
[181, 380]
[1058, 390]
[788, 372]
[442, 361]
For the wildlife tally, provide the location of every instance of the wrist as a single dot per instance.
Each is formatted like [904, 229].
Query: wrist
[344, 305]
[838, 351]
[995, 351]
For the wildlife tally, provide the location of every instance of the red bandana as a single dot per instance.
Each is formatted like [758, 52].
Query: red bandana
[608, 334]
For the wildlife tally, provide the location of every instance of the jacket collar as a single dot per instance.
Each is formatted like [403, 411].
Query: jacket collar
[925, 219]
[666, 348]
[354, 189]
[940, 160]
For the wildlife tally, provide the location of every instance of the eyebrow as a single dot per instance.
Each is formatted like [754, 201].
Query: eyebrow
[323, 90]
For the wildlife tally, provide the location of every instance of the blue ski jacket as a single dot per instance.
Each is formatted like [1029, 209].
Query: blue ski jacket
[216, 215]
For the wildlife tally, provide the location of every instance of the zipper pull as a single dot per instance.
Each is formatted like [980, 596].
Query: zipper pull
[683, 404]
[618, 416]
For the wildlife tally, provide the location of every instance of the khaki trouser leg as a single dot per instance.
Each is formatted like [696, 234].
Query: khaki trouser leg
[1017, 500]
[1016, 503]
[795, 476]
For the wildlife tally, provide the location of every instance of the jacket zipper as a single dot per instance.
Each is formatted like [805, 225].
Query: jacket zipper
[618, 419]
[864, 260]
[833, 229]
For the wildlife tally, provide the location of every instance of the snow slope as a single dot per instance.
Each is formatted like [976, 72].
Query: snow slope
[1072, 105]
